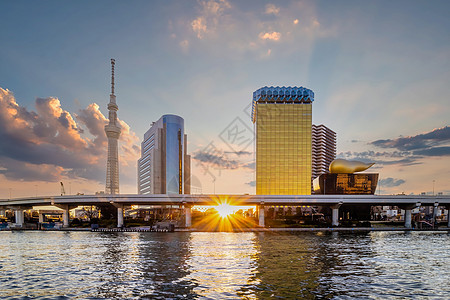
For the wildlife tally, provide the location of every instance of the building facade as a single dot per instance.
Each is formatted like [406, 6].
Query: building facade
[164, 166]
[283, 140]
[323, 149]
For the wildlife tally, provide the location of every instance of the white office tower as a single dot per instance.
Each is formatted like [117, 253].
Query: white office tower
[112, 132]
[323, 149]
[164, 166]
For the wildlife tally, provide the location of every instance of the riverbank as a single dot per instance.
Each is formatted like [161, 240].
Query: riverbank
[285, 229]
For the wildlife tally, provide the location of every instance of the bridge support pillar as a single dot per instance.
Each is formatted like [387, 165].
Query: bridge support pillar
[18, 213]
[41, 217]
[65, 217]
[261, 216]
[119, 216]
[408, 218]
[435, 212]
[2, 212]
[408, 213]
[448, 216]
[335, 214]
[188, 215]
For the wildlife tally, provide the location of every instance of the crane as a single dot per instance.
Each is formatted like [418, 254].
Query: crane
[63, 191]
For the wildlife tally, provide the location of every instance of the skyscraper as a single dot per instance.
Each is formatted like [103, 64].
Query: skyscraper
[113, 133]
[164, 166]
[323, 149]
[283, 140]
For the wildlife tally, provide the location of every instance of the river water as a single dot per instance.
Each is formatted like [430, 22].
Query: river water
[215, 265]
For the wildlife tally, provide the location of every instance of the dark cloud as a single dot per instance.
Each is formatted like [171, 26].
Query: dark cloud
[217, 160]
[407, 150]
[250, 165]
[434, 151]
[251, 183]
[391, 182]
[49, 143]
[427, 140]
[382, 158]
[239, 153]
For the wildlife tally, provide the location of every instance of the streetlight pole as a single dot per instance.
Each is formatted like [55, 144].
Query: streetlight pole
[433, 187]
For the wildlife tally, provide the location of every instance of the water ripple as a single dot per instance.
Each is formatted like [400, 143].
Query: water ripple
[182, 265]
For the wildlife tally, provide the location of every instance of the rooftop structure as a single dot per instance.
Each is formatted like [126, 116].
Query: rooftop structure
[281, 95]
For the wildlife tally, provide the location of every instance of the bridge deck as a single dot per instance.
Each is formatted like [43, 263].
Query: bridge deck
[203, 199]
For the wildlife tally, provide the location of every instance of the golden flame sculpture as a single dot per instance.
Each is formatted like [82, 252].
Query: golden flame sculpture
[348, 166]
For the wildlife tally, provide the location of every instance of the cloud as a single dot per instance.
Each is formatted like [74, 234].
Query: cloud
[391, 182]
[408, 150]
[251, 183]
[184, 44]
[273, 36]
[217, 160]
[272, 9]
[382, 158]
[199, 27]
[210, 14]
[434, 151]
[427, 140]
[239, 153]
[250, 165]
[49, 143]
[295, 22]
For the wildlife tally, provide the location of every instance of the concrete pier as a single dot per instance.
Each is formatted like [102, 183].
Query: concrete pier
[435, 212]
[408, 213]
[119, 216]
[447, 207]
[65, 218]
[408, 218]
[19, 214]
[188, 215]
[335, 214]
[261, 216]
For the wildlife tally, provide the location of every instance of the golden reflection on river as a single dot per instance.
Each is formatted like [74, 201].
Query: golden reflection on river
[224, 265]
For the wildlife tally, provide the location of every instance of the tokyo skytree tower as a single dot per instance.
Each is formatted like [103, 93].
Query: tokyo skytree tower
[112, 132]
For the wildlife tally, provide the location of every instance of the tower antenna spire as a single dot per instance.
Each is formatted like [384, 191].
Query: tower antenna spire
[113, 133]
[113, 62]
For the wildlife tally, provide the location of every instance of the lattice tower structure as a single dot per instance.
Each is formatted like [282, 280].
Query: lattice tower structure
[113, 131]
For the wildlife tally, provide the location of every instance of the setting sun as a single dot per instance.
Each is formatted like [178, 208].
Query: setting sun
[224, 210]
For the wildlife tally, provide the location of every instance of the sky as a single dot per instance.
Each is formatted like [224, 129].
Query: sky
[380, 71]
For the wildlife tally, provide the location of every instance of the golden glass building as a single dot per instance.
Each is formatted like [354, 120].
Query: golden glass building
[283, 140]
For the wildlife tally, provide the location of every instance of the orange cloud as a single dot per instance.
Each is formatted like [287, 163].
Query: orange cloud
[274, 36]
[50, 144]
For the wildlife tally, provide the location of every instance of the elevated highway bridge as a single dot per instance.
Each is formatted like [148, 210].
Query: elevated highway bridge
[406, 202]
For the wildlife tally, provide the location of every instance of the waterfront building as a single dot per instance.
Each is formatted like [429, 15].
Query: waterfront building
[323, 149]
[112, 130]
[164, 166]
[283, 140]
[343, 178]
